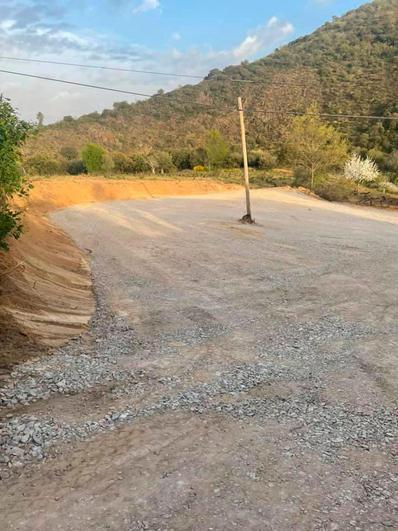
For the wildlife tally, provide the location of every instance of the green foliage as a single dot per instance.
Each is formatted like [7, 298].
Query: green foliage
[94, 158]
[122, 163]
[13, 133]
[348, 66]
[164, 162]
[216, 149]
[139, 163]
[186, 159]
[335, 188]
[40, 119]
[69, 153]
[262, 160]
[391, 163]
[76, 167]
[314, 146]
[108, 165]
[44, 165]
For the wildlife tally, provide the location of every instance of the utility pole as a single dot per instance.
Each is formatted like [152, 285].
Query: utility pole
[247, 218]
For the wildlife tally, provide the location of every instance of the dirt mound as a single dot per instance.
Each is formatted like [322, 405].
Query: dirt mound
[49, 195]
[45, 284]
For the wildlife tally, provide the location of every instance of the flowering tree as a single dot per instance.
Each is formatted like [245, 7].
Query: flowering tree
[361, 171]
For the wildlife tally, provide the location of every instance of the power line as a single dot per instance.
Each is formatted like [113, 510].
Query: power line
[110, 89]
[100, 67]
[218, 77]
[77, 83]
[100, 87]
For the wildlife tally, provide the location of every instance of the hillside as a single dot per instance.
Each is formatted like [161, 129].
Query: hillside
[349, 65]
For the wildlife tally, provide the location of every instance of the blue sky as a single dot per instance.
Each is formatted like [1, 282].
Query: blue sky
[168, 35]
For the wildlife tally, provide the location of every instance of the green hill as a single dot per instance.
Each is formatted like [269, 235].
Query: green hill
[349, 65]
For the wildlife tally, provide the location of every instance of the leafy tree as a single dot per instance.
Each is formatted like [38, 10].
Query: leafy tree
[94, 158]
[139, 163]
[13, 133]
[122, 163]
[313, 145]
[216, 149]
[164, 162]
[186, 159]
[40, 119]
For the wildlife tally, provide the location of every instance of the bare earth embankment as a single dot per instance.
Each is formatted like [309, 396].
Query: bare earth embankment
[233, 377]
[47, 298]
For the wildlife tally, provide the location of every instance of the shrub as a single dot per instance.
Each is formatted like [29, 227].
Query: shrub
[94, 158]
[388, 187]
[44, 165]
[122, 163]
[301, 177]
[391, 163]
[139, 164]
[262, 160]
[199, 168]
[235, 160]
[335, 188]
[185, 159]
[361, 170]
[76, 167]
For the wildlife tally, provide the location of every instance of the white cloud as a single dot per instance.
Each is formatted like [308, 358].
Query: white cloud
[263, 37]
[147, 5]
[43, 34]
[176, 36]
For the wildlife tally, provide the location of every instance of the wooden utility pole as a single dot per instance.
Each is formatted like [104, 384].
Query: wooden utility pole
[247, 218]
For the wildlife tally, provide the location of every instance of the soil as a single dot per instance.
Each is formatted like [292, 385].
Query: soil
[45, 282]
[253, 379]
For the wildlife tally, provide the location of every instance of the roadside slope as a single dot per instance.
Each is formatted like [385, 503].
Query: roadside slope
[47, 293]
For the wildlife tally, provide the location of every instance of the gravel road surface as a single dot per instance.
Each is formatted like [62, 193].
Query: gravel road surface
[234, 376]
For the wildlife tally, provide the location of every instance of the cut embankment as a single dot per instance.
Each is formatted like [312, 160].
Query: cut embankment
[45, 284]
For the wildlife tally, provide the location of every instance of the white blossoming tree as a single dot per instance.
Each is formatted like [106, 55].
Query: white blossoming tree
[361, 171]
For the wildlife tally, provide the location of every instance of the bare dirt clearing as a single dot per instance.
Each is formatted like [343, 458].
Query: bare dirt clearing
[234, 376]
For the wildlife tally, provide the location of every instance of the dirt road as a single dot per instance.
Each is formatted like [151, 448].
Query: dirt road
[235, 377]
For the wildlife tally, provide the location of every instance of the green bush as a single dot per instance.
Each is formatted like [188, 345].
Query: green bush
[76, 167]
[122, 163]
[44, 165]
[186, 159]
[301, 177]
[94, 158]
[262, 160]
[139, 164]
[335, 188]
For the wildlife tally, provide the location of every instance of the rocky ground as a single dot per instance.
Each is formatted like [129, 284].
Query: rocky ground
[233, 376]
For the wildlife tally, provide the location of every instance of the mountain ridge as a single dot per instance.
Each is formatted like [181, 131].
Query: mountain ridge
[348, 65]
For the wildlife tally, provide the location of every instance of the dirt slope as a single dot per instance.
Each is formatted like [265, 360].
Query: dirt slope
[47, 296]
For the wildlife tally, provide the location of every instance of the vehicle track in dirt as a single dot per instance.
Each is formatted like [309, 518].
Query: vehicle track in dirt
[233, 376]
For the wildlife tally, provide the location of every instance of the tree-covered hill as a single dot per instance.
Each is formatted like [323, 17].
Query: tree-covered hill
[349, 65]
